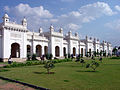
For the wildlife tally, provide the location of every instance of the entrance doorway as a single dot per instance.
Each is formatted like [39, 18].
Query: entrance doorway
[74, 51]
[57, 51]
[64, 51]
[28, 50]
[46, 50]
[15, 50]
[38, 50]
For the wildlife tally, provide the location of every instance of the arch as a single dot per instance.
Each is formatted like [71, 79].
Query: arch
[57, 51]
[38, 50]
[97, 50]
[90, 52]
[74, 51]
[15, 50]
[28, 49]
[46, 50]
[64, 51]
[82, 51]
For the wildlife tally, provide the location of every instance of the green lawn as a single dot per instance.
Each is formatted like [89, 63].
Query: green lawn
[70, 76]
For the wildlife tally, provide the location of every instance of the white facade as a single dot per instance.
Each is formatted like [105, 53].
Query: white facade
[16, 41]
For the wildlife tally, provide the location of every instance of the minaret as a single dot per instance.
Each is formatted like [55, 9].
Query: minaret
[51, 28]
[24, 22]
[40, 30]
[70, 33]
[76, 34]
[61, 30]
[5, 18]
[86, 38]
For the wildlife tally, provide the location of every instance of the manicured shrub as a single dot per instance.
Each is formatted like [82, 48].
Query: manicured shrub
[28, 57]
[65, 55]
[49, 65]
[50, 56]
[69, 55]
[34, 57]
[28, 63]
[81, 55]
[104, 54]
[47, 56]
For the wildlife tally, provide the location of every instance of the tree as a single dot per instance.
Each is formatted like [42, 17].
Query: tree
[93, 65]
[82, 61]
[94, 53]
[114, 50]
[49, 65]
[101, 52]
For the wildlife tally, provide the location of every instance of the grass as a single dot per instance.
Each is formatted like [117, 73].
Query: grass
[70, 76]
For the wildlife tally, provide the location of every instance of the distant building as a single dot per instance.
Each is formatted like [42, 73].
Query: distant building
[16, 41]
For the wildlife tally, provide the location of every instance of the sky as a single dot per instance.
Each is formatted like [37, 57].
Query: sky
[94, 18]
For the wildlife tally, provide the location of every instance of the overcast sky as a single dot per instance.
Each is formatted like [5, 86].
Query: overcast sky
[95, 18]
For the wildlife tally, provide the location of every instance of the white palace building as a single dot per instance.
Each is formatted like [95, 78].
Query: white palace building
[17, 41]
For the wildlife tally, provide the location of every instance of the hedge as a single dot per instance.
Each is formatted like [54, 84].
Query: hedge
[30, 63]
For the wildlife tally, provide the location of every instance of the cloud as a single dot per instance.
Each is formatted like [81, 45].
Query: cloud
[25, 9]
[38, 16]
[96, 9]
[72, 26]
[115, 25]
[117, 7]
[89, 13]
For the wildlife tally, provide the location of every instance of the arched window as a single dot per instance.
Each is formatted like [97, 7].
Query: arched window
[74, 51]
[57, 51]
[64, 51]
[38, 50]
[28, 49]
[46, 50]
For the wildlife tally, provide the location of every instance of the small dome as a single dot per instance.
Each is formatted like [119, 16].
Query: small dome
[51, 26]
[76, 34]
[90, 38]
[70, 31]
[40, 30]
[97, 39]
[24, 20]
[61, 29]
[6, 16]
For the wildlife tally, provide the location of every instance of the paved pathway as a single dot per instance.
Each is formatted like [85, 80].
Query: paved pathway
[4, 85]
[1, 65]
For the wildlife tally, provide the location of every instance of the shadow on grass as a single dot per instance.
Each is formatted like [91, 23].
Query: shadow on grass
[115, 58]
[111, 64]
[44, 72]
[86, 71]
[4, 70]
[66, 80]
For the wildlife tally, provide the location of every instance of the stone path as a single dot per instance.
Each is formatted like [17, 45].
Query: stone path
[1, 65]
[4, 85]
